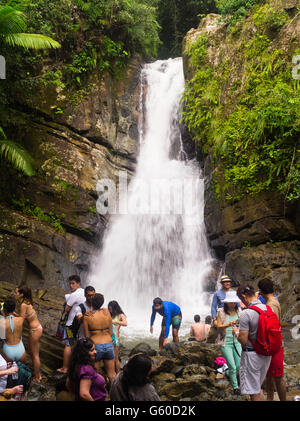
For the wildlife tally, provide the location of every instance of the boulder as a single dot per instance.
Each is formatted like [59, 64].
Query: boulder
[143, 347]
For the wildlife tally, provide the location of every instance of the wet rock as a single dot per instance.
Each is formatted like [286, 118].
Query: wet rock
[41, 392]
[161, 379]
[143, 347]
[183, 388]
[193, 369]
[292, 375]
[163, 364]
[170, 350]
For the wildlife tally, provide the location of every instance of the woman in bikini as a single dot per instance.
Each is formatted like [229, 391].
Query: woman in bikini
[97, 325]
[13, 347]
[27, 311]
[118, 319]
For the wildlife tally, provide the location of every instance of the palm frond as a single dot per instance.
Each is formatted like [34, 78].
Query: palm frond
[11, 21]
[16, 155]
[34, 41]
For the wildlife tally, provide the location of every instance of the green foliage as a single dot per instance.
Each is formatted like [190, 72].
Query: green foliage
[252, 134]
[95, 37]
[15, 154]
[176, 18]
[270, 17]
[36, 212]
[201, 93]
[13, 27]
[236, 8]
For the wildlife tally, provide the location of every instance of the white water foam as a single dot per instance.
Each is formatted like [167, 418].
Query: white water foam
[148, 255]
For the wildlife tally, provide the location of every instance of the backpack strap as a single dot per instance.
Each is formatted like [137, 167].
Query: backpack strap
[83, 309]
[257, 309]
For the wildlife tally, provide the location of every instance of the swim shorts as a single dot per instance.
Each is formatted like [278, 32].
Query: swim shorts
[175, 321]
[105, 351]
[276, 366]
[68, 338]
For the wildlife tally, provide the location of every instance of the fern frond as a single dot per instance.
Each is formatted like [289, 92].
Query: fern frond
[16, 155]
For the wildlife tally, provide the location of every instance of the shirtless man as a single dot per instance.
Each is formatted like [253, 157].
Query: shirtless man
[198, 331]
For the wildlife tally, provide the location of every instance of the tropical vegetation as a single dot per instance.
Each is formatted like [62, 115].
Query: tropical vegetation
[13, 33]
[245, 111]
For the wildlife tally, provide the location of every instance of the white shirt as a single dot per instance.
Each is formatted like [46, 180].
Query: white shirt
[79, 312]
[3, 379]
[73, 300]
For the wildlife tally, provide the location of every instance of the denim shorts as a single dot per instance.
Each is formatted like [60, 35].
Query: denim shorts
[105, 351]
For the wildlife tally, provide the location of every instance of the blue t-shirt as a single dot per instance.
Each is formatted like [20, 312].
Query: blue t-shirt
[168, 311]
[263, 301]
[217, 302]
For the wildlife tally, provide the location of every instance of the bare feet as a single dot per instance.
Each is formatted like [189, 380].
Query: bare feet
[38, 380]
[62, 370]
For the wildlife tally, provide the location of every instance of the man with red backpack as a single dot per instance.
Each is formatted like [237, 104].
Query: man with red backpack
[275, 372]
[260, 337]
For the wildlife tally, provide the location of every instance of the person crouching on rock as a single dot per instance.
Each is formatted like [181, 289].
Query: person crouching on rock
[171, 316]
[132, 384]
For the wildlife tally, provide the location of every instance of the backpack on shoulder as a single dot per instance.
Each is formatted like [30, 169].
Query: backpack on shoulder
[75, 324]
[269, 332]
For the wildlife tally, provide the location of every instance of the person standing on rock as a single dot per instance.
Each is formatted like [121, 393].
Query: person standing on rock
[219, 296]
[97, 326]
[84, 308]
[27, 311]
[171, 316]
[118, 319]
[253, 366]
[275, 372]
[72, 301]
[230, 347]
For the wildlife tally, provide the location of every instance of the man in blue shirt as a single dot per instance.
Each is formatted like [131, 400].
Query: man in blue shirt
[171, 316]
[219, 296]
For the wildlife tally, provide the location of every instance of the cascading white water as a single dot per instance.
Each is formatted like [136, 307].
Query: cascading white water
[158, 248]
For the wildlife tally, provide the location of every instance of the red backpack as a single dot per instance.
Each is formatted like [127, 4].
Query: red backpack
[269, 336]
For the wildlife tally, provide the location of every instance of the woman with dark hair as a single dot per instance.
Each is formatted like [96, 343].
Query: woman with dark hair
[230, 347]
[83, 380]
[13, 347]
[118, 320]
[132, 384]
[97, 325]
[27, 311]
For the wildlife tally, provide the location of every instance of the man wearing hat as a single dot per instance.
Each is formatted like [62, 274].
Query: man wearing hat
[219, 296]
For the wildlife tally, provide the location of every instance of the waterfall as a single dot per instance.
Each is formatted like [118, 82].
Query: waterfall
[158, 247]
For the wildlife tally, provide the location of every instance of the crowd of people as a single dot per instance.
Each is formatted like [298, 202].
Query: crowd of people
[91, 335]
[236, 317]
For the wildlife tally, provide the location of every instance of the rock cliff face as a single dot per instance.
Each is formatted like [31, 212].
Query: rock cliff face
[257, 236]
[49, 227]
